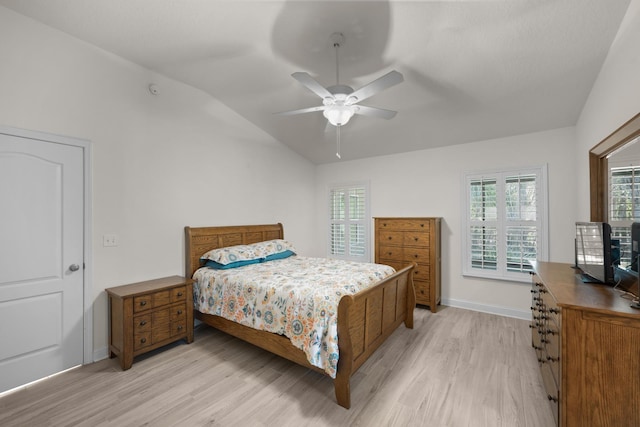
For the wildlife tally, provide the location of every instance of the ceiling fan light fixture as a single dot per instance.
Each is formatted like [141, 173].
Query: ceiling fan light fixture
[339, 115]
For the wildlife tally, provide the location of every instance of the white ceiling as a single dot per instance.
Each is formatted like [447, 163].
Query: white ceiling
[473, 70]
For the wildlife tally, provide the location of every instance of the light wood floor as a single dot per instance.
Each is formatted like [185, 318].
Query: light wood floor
[455, 368]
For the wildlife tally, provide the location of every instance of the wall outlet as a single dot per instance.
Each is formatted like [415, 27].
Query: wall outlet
[110, 240]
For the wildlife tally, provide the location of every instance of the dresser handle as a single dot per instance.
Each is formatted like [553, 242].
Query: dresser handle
[142, 323]
[179, 327]
[143, 340]
[179, 294]
[179, 311]
[384, 224]
[415, 256]
[143, 303]
[415, 238]
[421, 225]
[552, 398]
[390, 238]
[389, 253]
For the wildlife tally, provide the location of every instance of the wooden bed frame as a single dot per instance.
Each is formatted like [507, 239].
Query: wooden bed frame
[365, 319]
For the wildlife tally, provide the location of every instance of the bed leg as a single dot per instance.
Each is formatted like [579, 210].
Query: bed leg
[343, 391]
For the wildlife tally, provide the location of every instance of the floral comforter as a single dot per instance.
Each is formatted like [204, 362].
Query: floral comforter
[297, 297]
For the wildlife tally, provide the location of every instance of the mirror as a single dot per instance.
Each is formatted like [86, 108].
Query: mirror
[598, 165]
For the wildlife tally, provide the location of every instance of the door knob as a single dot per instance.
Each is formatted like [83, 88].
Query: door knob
[74, 267]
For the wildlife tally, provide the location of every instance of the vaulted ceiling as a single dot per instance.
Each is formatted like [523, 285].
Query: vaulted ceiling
[473, 70]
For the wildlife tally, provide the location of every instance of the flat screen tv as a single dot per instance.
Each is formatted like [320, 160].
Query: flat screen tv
[593, 252]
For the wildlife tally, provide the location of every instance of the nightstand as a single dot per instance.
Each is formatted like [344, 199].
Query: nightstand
[148, 315]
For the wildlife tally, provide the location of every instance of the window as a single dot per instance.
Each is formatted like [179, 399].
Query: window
[505, 223]
[624, 204]
[349, 222]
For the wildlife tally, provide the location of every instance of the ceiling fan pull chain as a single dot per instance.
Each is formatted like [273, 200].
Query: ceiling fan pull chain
[338, 141]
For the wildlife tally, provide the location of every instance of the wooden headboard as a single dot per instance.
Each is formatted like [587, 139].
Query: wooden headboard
[199, 240]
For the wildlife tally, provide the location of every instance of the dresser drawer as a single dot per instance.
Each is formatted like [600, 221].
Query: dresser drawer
[416, 238]
[391, 238]
[421, 272]
[422, 292]
[393, 253]
[415, 255]
[402, 224]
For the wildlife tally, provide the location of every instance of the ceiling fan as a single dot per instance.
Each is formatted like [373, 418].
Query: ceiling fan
[340, 102]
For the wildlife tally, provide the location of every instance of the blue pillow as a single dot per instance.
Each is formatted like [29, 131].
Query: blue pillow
[217, 266]
[280, 255]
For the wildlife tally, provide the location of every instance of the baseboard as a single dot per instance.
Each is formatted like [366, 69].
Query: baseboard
[101, 353]
[492, 309]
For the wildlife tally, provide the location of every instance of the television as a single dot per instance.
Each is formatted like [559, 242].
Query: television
[593, 252]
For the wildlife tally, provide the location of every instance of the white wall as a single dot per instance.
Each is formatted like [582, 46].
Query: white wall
[159, 162]
[429, 183]
[614, 99]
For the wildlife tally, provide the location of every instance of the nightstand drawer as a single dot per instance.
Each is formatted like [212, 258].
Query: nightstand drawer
[178, 312]
[142, 340]
[142, 323]
[178, 294]
[142, 303]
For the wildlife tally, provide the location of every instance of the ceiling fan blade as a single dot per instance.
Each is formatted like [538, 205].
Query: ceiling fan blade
[390, 79]
[311, 84]
[302, 110]
[380, 113]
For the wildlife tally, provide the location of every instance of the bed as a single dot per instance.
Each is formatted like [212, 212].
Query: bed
[364, 319]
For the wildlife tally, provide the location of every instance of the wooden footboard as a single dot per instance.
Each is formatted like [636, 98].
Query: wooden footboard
[365, 319]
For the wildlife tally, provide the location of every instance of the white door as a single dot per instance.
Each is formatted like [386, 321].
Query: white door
[41, 259]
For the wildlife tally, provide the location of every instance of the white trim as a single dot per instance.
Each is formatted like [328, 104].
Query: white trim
[88, 356]
[491, 309]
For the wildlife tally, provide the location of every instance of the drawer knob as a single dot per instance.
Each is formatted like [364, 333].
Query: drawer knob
[143, 322]
[179, 294]
[415, 256]
[552, 398]
[384, 225]
[179, 327]
[143, 303]
[390, 238]
[421, 225]
[389, 253]
[179, 311]
[415, 238]
[143, 340]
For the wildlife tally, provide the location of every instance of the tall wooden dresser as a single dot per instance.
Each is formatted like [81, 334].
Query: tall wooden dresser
[401, 241]
[587, 341]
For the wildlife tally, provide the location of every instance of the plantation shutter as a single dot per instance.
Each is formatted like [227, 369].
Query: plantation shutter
[348, 219]
[624, 206]
[504, 223]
